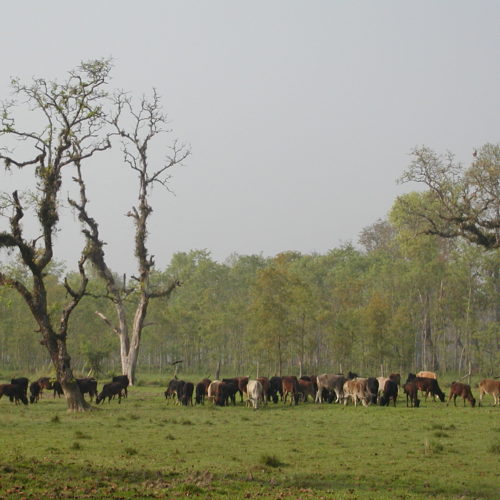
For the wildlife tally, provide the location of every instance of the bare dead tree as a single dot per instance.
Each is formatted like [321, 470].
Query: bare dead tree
[148, 122]
[72, 120]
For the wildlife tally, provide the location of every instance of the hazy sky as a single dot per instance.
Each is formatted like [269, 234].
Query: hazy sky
[300, 114]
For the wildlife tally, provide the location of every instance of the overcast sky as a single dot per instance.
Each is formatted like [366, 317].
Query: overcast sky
[300, 114]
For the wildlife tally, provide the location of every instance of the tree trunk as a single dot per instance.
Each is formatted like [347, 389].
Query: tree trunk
[56, 345]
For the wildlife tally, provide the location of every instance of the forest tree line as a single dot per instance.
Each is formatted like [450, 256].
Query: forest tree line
[399, 300]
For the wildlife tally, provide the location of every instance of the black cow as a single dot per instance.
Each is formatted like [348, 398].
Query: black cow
[372, 384]
[275, 389]
[390, 392]
[21, 382]
[186, 396]
[174, 389]
[87, 386]
[201, 391]
[109, 391]
[226, 391]
[430, 386]
[123, 379]
[57, 388]
[35, 391]
[15, 393]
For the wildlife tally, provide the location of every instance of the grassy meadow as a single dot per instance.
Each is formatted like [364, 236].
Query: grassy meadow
[148, 448]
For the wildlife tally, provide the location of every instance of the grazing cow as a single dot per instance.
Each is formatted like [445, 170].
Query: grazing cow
[35, 392]
[15, 393]
[242, 386]
[411, 377]
[265, 387]
[381, 384]
[491, 387]
[226, 391]
[234, 387]
[427, 375]
[109, 391]
[411, 391]
[56, 386]
[396, 377]
[290, 386]
[306, 388]
[330, 383]
[122, 379]
[390, 392]
[212, 390]
[430, 385]
[357, 389]
[373, 387]
[186, 395]
[275, 389]
[201, 391]
[88, 386]
[255, 393]
[21, 382]
[174, 389]
[462, 390]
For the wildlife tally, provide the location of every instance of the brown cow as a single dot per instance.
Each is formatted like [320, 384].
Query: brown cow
[462, 390]
[357, 389]
[491, 387]
[264, 381]
[306, 388]
[411, 391]
[396, 377]
[430, 385]
[290, 385]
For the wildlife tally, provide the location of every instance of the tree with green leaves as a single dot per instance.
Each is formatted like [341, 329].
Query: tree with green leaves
[458, 201]
[71, 121]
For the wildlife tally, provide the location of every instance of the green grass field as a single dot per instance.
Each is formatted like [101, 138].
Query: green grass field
[148, 448]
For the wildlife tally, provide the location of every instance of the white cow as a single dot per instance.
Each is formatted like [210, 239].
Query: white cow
[255, 393]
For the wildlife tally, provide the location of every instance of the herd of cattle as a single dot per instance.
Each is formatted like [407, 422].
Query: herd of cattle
[326, 387]
[17, 390]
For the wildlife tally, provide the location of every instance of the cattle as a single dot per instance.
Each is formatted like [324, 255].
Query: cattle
[491, 387]
[88, 386]
[225, 391]
[255, 393]
[390, 392]
[396, 377]
[427, 375]
[357, 390]
[462, 390]
[237, 384]
[212, 390]
[242, 386]
[330, 383]
[265, 387]
[186, 395]
[381, 384]
[35, 392]
[290, 386]
[373, 387]
[275, 389]
[232, 387]
[411, 391]
[109, 391]
[21, 382]
[174, 388]
[57, 388]
[430, 385]
[122, 379]
[201, 391]
[15, 393]
[306, 388]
